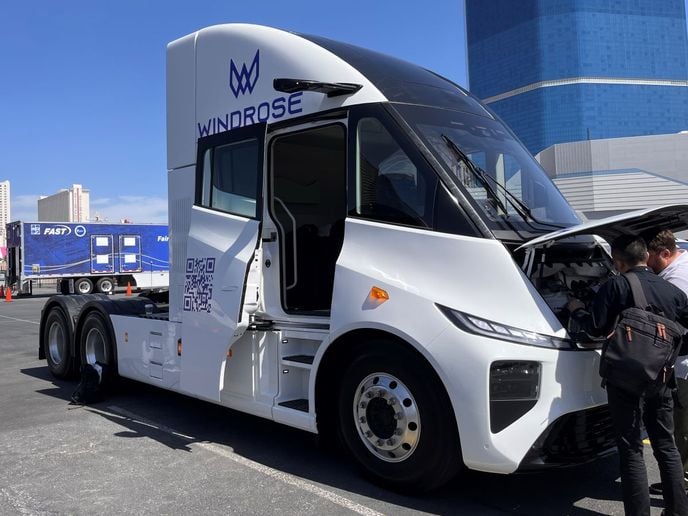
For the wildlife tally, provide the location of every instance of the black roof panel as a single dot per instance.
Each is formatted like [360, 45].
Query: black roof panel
[401, 81]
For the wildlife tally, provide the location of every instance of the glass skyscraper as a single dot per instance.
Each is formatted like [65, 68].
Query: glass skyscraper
[567, 70]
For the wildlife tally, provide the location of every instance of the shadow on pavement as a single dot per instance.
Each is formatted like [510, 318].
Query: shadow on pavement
[178, 421]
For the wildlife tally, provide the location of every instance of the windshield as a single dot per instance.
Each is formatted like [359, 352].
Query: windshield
[505, 183]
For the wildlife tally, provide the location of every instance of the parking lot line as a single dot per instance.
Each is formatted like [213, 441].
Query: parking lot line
[21, 320]
[261, 468]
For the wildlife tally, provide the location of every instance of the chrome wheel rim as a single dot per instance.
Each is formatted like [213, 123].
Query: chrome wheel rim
[95, 348]
[387, 417]
[57, 343]
[83, 287]
[106, 286]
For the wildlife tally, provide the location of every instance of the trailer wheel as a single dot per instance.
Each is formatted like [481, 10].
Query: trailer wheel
[105, 285]
[396, 421]
[97, 345]
[83, 286]
[56, 344]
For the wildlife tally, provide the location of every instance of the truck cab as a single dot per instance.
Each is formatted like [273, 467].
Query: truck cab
[349, 247]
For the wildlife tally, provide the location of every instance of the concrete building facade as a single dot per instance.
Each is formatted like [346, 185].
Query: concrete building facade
[67, 205]
[5, 211]
[605, 177]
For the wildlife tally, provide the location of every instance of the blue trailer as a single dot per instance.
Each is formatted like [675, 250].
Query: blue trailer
[87, 257]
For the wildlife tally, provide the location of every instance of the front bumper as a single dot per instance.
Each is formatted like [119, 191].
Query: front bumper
[568, 424]
[574, 438]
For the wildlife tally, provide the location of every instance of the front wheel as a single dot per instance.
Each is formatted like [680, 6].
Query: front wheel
[396, 421]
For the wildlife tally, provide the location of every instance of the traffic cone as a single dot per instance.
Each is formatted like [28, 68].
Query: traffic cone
[8, 295]
[128, 288]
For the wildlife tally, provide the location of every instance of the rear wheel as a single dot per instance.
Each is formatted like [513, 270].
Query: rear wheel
[56, 343]
[105, 285]
[396, 421]
[83, 286]
[97, 346]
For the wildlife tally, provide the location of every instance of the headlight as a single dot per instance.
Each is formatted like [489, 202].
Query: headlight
[480, 326]
[514, 380]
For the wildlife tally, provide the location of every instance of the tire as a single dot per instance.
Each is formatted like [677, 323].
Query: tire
[57, 344]
[105, 285]
[96, 344]
[396, 421]
[83, 286]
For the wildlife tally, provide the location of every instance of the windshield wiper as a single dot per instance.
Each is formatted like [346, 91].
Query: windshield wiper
[519, 206]
[477, 172]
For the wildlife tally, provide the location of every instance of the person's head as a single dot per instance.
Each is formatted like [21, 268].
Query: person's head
[628, 251]
[661, 247]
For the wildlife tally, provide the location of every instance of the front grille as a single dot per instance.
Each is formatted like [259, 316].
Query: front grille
[574, 438]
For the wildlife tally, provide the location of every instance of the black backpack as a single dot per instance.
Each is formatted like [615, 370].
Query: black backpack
[89, 390]
[640, 355]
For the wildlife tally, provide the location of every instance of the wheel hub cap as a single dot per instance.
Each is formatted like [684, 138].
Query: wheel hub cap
[95, 347]
[387, 417]
[56, 343]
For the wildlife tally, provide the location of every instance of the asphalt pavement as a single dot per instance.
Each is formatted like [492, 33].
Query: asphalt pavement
[148, 451]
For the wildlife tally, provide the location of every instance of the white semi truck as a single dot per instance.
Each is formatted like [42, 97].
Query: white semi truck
[360, 248]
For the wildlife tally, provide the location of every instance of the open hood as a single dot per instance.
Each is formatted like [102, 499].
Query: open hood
[673, 217]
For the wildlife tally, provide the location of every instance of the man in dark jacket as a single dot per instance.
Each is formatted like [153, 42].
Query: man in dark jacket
[629, 411]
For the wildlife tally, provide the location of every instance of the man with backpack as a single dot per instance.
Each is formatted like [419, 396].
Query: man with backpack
[671, 263]
[651, 403]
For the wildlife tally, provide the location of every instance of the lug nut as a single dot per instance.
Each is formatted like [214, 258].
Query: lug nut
[364, 404]
[369, 433]
[390, 442]
[362, 419]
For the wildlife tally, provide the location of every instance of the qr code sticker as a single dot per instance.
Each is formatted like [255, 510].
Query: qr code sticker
[198, 284]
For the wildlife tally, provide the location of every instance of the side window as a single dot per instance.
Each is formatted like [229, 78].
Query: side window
[389, 186]
[229, 179]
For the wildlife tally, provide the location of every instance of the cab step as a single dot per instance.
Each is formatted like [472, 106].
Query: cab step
[300, 404]
[300, 359]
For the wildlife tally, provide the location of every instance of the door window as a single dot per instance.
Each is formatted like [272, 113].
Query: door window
[389, 185]
[229, 178]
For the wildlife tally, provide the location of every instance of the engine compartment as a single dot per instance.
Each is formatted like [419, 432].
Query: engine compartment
[566, 270]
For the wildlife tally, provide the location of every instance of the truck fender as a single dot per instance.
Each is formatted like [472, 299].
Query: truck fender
[107, 307]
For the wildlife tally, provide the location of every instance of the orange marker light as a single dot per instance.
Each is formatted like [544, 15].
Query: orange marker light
[379, 294]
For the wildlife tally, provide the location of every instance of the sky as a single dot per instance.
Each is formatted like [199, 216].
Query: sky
[82, 83]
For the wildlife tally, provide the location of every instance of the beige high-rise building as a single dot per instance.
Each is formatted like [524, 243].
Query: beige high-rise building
[67, 205]
[5, 211]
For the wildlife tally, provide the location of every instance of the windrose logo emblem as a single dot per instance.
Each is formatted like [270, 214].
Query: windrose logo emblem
[241, 81]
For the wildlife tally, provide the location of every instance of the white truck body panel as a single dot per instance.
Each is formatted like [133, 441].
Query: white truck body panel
[263, 53]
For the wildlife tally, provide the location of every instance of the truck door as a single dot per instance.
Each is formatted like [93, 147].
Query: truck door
[102, 261]
[223, 237]
[129, 253]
